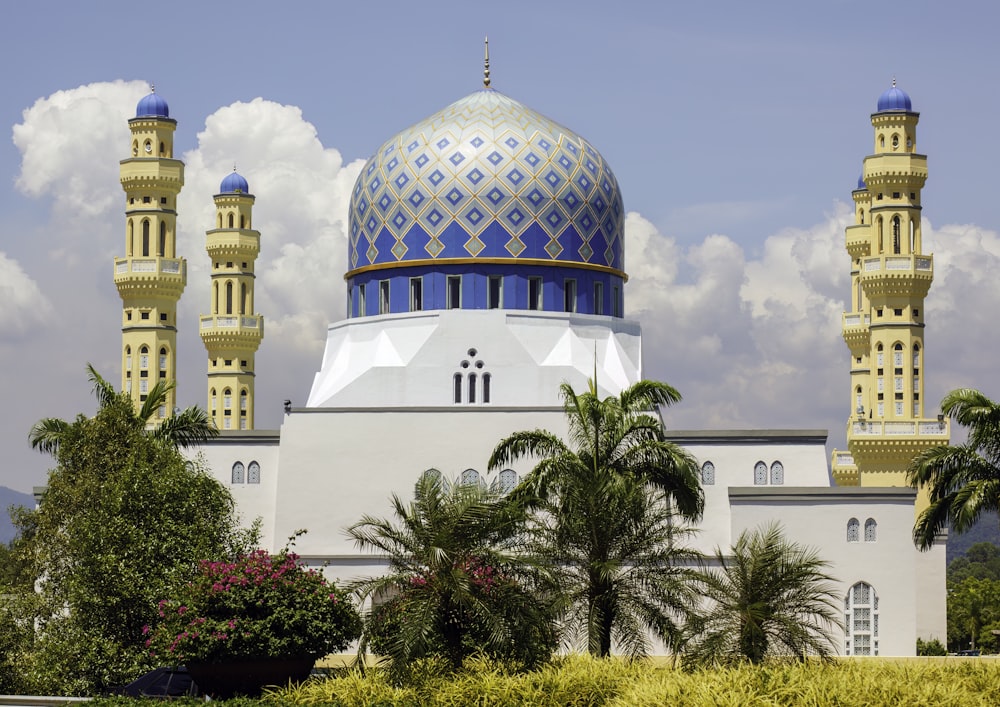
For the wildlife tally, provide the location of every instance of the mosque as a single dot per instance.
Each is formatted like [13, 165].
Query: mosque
[486, 266]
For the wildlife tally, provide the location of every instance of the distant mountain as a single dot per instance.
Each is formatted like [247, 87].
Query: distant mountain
[8, 498]
[986, 530]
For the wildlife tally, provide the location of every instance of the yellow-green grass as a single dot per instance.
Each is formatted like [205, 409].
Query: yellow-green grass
[580, 680]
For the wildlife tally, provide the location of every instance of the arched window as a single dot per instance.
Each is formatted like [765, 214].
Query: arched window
[230, 220]
[163, 150]
[144, 357]
[487, 378]
[707, 474]
[470, 477]
[243, 298]
[760, 474]
[220, 220]
[243, 221]
[131, 234]
[777, 474]
[858, 405]
[145, 238]
[163, 240]
[227, 399]
[507, 481]
[472, 387]
[253, 473]
[229, 297]
[211, 401]
[861, 620]
[878, 233]
[916, 356]
[163, 358]
[128, 358]
[853, 530]
[215, 297]
[243, 399]
[238, 473]
[862, 213]
[458, 388]
[897, 355]
[913, 245]
[895, 235]
[871, 530]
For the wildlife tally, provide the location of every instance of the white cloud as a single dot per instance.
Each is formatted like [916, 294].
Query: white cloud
[24, 305]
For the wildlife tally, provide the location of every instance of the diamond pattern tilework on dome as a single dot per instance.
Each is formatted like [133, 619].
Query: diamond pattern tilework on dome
[483, 160]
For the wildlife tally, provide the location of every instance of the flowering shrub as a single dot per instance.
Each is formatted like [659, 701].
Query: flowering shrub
[257, 606]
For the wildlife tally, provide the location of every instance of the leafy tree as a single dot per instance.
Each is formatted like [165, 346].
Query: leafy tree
[963, 480]
[931, 647]
[458, 581]
[122, 522]
[973, 611]
[607, 502]
[768, 597]
[981, 561]
[183, 429]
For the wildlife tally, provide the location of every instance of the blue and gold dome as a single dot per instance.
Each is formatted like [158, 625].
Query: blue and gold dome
[493, 186]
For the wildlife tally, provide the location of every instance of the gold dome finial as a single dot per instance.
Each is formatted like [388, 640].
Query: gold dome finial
[486, 65]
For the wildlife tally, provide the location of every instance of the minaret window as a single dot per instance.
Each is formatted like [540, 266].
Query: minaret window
[897, 355]
[220, 220]
[243, 401]
[143, 358]
[163, 359]
[131, 234]
[598, 298]
[243, 299]
[495, 292]
[454, 292]
[895, 141]
[230, 220]
[383, 297]
[506, 481]
[853, 530]
[144, 385]
[534, 293]
[145, 238]
[227, 400]
[569, 295]
[229, 298]
[163, 240]
[895, 235]
[708, 474]
[470, 477]
[416, 294]
[135, 148]
[128, 359]
[878, 230]
[211, 401]
[215, 298]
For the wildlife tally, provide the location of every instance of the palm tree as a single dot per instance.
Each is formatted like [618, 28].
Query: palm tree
[609, 499]
[963, 480]
[458, 579]
[768, 597]
[184, 429]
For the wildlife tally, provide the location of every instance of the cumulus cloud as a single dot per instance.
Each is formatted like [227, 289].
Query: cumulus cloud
[24, 305]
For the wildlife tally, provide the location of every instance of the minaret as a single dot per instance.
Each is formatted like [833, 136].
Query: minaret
[150, 278]
[884, 328]
[232, 332]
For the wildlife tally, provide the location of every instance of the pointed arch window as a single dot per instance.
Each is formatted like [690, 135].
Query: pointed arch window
[253, 473]
[760, 474]
[211, 401]
[230, 220]
[853, 530]
[871, 530]
[131, 235]
[163, 240]
[145, 238]
[777, 474]
[897, 355]
[163, 358]
[238, 470]
[487, 381]
[472, 387]
[243, 298]
[128, 358]
[707, 474]
[506, 481]
[895, 235]
[861, 620]
[243, 400]
[229, 298]
[458, 387]
[227, 399]
[470, 477]
[243, 221]
[144, 358]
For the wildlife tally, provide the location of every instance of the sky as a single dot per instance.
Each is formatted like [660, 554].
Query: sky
[736, 130]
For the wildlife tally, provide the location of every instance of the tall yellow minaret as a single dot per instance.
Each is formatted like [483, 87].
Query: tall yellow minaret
[150, 278]
[232, 332]
[884, 328]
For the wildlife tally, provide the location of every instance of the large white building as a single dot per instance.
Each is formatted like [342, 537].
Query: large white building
[486, 267]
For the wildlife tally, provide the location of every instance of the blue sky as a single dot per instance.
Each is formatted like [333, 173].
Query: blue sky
[736, 131]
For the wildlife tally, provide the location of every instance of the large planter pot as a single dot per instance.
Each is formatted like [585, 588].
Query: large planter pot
[247, 676]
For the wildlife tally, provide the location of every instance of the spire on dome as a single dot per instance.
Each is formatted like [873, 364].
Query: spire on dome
[486, 64]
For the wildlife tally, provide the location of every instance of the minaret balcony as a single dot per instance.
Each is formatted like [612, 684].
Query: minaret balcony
[897, 274]
[888, 168]
[844, 469]
[141, 171]
[237, 330]
[901, 430]
[856, 329]
[228, 241]
[144, 274]
[859, 240]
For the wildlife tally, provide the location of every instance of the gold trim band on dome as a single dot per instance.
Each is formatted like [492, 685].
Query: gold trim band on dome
[485, 261]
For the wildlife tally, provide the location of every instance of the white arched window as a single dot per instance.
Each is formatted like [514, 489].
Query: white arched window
[506, 481]
[760, 474]
[470, 477]
[777, 474]
[861, 620]
[253, 473]
[871, 530]
[707, 474]
[238, 473]
[853, 530]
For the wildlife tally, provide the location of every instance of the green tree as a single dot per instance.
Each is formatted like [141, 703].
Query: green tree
[185, 428]
[458, 581]
[122, 522]
[963, 481]
[767, 597]
[973, 610]
[607, 501]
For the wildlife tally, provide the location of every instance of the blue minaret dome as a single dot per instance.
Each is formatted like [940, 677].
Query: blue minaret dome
[152, 106]
[234, 183]
[861, 182]
[894, 99]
